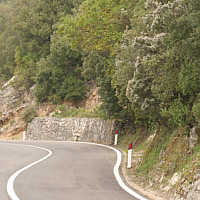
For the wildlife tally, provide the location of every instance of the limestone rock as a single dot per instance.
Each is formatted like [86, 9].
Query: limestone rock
[175, 179]
[193, 196]
[194, 136]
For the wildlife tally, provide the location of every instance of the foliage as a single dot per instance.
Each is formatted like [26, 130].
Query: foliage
[78, 112]
[8, 42]
[176, 71]
[196, 109]
[34, 22]
[97, 64]
[58, 76]
[164, 60]
[144, 55]
[131, 78]
[29, 114]
[97, 25]
[94, 29]
[25, 69]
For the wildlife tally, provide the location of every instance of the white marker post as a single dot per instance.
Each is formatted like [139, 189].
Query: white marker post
[129, 155]
[116, 137]
[24, 135]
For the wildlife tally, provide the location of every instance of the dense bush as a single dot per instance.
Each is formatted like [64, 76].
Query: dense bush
[164, 60]
[29, 114]
[144, 55]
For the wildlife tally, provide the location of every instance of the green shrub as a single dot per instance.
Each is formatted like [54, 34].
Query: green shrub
[178, 113]
[196, 110]
[78, 113]
[62, 108]
[29, 114]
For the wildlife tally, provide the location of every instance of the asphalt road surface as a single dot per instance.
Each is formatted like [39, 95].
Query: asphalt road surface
[74, 171]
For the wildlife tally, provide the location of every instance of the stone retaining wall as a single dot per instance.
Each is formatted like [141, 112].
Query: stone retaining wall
[72, 129]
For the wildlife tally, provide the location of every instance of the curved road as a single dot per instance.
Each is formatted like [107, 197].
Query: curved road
[74, 171]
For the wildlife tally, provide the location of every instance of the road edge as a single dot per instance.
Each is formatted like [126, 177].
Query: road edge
[143, 191]
[10, 183]
[116, 170]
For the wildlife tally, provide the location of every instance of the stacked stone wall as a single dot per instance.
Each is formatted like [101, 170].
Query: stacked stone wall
[72, 129]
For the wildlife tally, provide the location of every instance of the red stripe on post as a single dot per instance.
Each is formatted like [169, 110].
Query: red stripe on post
[130, 145]
[116, 131]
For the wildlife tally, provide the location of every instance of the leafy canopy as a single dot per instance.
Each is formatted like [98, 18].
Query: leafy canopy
[97, 25]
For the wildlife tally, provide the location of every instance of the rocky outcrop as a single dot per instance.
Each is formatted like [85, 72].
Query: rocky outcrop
[92, 99]
[188, 188]
[176, 174]
[71, 129]
[11, 108]
[14, 103]
[194, 136]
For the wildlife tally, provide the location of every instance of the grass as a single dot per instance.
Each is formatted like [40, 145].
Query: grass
[137, 137]
[142, 146]
[123, 140]
[197, 154]
[149, 163]
[175, 159]
[125, 150]
[151, 150]
[63, 112]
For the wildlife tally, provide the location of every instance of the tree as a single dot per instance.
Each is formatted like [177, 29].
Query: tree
[97, 25]
[176, 70]
[165, 62]
[58, 75]
[97, 64]
[94, 30]
[35, 21]
[8, 42]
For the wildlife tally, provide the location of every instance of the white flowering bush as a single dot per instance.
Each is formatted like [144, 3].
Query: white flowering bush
[160, 65]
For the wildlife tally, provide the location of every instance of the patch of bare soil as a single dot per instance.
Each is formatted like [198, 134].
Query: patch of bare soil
[18, 136]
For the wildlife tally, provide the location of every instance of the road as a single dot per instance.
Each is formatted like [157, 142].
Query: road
[74, 171]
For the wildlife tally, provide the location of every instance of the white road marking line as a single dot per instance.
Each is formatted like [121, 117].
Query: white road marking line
[116, 171]
[13, 196]
[10, 187]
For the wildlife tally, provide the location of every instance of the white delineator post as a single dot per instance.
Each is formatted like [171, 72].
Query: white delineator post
[116, 137]
[24, 135]
[129, 155]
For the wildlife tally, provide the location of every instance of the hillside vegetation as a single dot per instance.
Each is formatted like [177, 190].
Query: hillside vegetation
[143, 55]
